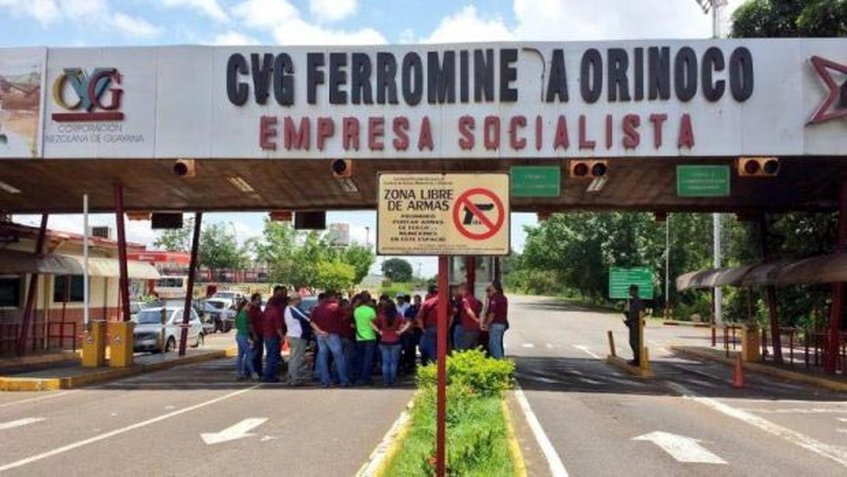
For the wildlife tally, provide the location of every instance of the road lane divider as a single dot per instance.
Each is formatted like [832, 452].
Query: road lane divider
[19, 423]
[825, 450]
[123, 430]
[557, 467]
[587, 350]
[682, 448]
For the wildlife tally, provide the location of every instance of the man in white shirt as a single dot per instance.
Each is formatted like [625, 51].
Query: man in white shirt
[403, 304]
[298, 333]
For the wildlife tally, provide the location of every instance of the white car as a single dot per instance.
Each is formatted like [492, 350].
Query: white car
[149, 329]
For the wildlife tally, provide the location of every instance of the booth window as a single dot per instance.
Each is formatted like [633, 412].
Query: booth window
[10, 292]
[75, 293]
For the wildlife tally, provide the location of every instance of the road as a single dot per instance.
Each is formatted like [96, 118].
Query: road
[601, 421]
[152, 425]
[196, 420]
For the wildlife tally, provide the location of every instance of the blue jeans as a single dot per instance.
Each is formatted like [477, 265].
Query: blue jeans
[331, 344]
[458, 333]
[348, 347]
[429, 345]
[245, 357]
[390, 360]
[365, 360]
[272, 358]
[495, 340]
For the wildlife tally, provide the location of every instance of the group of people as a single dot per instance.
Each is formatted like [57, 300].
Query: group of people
[352, 335]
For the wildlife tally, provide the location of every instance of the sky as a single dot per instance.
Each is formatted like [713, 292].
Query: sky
[76, 23]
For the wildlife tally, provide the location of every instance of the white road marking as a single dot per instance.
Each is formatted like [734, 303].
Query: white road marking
[234, 432]
[20, 422]
[802, 440]
[842, 419]
[377, 457]
[681, 448]
[798, 411]
[843, 431]
[116, 432]
[268, 438]
[545, 380]
[557, 468]
[168, 408]
[36, 399]
[590, 381]
[587, 351]
[549, 346]
[528, 345]
[700, 382]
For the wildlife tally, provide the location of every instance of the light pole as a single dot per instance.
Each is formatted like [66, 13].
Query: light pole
[714, 7]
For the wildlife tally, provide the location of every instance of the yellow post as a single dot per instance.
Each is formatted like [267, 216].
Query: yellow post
[644, 358]
[121, 347]
[611, 344]
[751, 345]
[94, 345]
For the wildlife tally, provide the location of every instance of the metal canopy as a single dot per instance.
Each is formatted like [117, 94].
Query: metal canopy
[830, 268]
[14, 262]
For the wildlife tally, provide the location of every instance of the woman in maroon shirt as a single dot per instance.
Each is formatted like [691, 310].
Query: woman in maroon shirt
[390, 325]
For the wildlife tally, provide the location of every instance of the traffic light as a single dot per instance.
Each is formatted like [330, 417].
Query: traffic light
[758, 166]
[587, 169]
[342, 168]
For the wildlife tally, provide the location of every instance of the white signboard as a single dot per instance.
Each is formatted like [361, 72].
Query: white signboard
[656, 98]
[21, 105]
[443, 214]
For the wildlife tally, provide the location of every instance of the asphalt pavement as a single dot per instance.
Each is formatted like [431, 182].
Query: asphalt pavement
[687, 420]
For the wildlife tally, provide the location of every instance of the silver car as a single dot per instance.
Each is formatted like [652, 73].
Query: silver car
[149, 329]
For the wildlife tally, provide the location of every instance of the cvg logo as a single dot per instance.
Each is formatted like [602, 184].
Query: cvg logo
[95, 95]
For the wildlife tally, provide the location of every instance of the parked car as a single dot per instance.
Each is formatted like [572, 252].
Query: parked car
[230, 295]
[219, 312]
[135, 307]
[148, 329]
[307, 304]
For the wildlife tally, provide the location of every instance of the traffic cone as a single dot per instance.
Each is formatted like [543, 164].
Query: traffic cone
[738, 375]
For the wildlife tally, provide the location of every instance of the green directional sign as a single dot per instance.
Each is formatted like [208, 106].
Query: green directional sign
[536, 181]
[621, 278]
[702, 181]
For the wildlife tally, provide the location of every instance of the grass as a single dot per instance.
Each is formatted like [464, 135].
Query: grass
[477, 439]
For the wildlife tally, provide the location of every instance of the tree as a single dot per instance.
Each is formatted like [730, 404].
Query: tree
[790, 18]
[361, 258]
[176, 240]
[219, 248]
[334, 275]
[397, 270]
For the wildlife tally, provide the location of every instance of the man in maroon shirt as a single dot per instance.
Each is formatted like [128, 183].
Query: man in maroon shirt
[327, 320]
[469, 317]
[497, 321]
[256, 328]
[273, 332]
[428, 321]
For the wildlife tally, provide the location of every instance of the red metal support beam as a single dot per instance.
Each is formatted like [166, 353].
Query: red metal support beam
[189, 293]
[32, 286]
[123, 284]
[830, 362]
[470, 273]
[441, 395]
[770, 295]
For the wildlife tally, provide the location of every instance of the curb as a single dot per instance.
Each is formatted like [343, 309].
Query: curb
[765, 369]
[383, 454]
[52, 384]
[518, 462]
[619, 363]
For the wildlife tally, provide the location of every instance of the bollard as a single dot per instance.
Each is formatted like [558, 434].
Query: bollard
[611, 344]
[644, 363]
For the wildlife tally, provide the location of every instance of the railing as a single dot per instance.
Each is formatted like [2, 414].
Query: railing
[61, 335]
[9, 333]
[799, 346]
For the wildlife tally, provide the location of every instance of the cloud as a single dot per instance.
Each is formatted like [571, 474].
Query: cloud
[134, 26]
[43, 11]
[467, 25]
[285, 23]
[332, 10]
[210, 8]
[234, 38]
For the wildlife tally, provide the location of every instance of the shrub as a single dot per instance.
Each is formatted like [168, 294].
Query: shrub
[471, 372]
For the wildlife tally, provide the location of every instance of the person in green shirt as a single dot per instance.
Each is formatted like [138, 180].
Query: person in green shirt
[244, 362]
[364, 316]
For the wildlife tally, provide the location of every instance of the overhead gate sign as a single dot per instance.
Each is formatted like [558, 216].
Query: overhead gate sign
[443, 214]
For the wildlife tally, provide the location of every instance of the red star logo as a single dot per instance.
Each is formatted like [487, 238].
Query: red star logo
[835, 104]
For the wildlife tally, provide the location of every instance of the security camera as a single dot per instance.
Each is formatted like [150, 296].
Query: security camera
[185, 168]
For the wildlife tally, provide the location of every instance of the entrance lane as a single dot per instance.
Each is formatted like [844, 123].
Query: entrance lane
[591, 411]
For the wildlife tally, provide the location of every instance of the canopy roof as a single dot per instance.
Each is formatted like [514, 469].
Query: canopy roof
[819, 269]
[16, 262]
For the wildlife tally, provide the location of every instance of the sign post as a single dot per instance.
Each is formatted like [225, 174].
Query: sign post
[443, 214]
